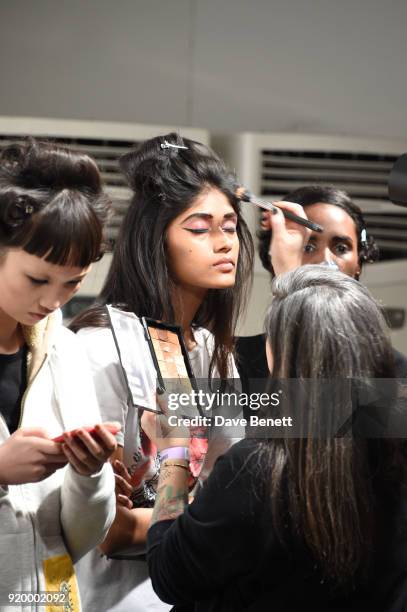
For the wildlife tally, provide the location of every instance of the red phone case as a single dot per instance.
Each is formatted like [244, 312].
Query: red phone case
[112, 428]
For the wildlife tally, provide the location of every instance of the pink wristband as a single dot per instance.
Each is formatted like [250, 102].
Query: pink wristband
[175, 452]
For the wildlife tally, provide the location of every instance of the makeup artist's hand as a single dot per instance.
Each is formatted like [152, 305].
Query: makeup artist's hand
[161, 432]
[288, 239]
[87, 453]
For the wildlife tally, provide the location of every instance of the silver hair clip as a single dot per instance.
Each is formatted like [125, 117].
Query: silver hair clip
[168, 145]
[363, 235]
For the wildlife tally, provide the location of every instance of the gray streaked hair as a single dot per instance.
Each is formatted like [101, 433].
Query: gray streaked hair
[323, 323]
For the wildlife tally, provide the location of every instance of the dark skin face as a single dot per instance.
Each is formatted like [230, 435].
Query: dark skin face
[337, 243]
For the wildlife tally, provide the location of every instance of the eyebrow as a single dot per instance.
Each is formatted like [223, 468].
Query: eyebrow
[336, 238]
[231, 215]
[346, 238]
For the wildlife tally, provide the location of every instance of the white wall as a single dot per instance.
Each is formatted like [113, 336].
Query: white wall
[294, 65]
[324, 66]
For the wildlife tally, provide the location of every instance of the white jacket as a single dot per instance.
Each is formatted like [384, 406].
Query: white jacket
[46, 526]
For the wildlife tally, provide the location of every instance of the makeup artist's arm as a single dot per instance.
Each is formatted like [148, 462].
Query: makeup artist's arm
[217, 540]
[288, 239]
[172, 488]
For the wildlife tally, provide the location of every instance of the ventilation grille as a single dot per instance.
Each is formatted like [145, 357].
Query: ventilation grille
[363, 176]
[106, 153]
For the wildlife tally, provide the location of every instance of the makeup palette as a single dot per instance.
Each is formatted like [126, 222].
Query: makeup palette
[153, 358]
[170, 357]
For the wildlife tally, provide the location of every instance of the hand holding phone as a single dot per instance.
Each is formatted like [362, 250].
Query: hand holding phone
[87, 450]
[112, 427]
[29, 455]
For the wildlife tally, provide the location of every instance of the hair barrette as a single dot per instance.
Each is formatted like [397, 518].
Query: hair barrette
[363, 236]
[168, 145]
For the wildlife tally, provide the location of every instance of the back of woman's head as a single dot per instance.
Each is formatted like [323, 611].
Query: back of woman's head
[51, 203]
[367, 248]
[324, 324]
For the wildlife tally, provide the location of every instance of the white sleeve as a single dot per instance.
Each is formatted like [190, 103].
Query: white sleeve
[109, 383]
[88, 508]
[88, 503]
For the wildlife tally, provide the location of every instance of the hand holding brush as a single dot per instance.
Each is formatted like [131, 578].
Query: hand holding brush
[246, 196]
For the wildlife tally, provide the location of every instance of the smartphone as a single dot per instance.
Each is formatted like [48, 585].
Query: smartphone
[109, 426]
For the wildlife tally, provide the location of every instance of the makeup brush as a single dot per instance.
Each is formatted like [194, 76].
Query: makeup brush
[245, 196]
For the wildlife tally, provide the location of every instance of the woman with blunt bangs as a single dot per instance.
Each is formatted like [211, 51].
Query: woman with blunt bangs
[52, 215]
[306, 522]
[184, 255]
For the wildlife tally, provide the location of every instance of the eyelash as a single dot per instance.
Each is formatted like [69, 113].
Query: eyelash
[229, 230]
[37, 281]
[346, 248]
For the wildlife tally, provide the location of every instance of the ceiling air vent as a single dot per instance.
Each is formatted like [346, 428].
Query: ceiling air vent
[274, 164]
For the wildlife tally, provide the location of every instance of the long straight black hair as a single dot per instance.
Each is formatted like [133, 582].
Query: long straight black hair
[166, 181]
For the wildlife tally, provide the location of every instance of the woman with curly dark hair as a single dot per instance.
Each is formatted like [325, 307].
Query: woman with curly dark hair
[345, 245]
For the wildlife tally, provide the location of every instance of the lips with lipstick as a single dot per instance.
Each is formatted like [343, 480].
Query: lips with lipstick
[226, 264]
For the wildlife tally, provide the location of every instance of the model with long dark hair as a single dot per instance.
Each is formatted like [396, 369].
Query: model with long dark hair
[184, 255]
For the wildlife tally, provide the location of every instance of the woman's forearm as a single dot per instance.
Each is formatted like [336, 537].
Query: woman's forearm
[172, 491]
[129, 530]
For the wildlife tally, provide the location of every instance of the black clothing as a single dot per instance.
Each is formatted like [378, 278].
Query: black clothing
[13, 382]
[251, 360]
[222, 553]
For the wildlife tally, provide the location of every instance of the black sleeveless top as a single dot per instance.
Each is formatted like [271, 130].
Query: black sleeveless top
[13, 382]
